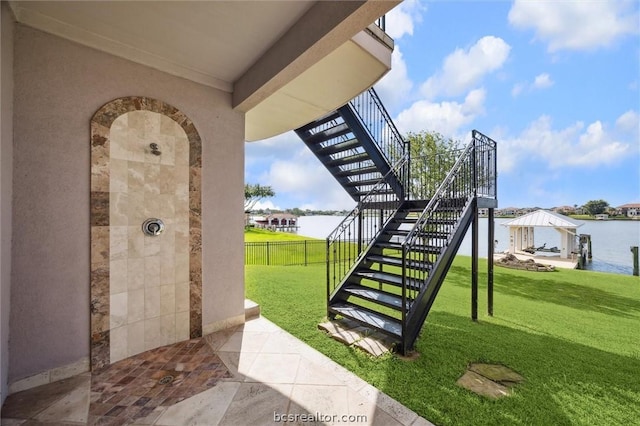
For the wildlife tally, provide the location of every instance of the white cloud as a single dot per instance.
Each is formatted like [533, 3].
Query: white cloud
[575, 25]
[572, 146]
[304, 181]
[628, 122]
[272, 148]
[628, 126]
[296, 176]
[444, 117]
[394, 87]
[266, 205]
[464, 69]
[541, 81]
[517, 89]
[401, 19]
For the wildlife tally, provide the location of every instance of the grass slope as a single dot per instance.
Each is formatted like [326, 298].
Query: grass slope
[572, 334]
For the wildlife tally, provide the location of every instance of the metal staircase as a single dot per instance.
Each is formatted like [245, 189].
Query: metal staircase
[359, 144]
[388, 258]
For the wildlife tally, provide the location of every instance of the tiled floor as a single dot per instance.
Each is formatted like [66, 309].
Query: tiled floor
[133, 388]
[266, 376]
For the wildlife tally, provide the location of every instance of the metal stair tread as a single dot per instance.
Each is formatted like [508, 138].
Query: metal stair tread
[338, 147]
[327, 134]
[386, 277]
[402, 220]
[333, 115]
[395, 261]
[367, 317]
[423, 234]
[418, 247]
[381, 191]
[390, 300]
[363, 182]
[357, 171]
[349, 159]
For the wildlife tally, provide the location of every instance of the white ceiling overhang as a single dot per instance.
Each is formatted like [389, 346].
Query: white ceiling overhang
[285, 62]
[210, 42]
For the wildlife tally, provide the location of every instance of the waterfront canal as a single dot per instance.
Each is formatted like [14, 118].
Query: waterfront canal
[611, 239]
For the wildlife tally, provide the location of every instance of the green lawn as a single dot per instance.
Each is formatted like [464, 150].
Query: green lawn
[255, 235]
[573, 335]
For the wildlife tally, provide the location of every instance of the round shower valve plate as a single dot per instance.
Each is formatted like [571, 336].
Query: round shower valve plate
[153, 226]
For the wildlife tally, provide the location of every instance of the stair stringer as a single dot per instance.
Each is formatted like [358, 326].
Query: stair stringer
[421, 306]
[371, 147]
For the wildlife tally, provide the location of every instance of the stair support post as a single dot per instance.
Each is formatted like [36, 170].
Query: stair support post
[407, 178]
[490, 252]
[381, 225]
[405, 335]
[474, 262]
[474, 234]
[328, 277]
[360, 230]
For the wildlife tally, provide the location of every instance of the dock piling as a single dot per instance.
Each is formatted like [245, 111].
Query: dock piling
[636, 268]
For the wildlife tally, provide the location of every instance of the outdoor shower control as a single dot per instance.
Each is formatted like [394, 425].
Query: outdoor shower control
[153, 227]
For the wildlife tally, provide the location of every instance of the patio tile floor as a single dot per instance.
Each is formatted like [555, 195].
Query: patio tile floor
[254, 374]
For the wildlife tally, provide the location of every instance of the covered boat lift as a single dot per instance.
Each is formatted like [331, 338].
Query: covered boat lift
[522, 236]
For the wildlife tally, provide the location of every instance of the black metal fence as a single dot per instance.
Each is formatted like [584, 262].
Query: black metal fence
[285, 253]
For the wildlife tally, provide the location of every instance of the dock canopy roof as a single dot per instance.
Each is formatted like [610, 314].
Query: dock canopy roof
[544, 218]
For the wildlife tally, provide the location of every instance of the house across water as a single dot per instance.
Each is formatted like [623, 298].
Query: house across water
[631, 210]
[284, 222]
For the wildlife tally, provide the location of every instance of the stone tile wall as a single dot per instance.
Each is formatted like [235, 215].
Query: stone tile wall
[145, 290]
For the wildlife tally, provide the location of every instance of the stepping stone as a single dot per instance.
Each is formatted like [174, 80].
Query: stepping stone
[339, 325]
[490, 380]
[482, 386]
[375, 345]
[497, 373]
[352, 333]
[348, 337]
[344, 335]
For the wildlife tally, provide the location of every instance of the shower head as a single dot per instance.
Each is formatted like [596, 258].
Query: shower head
[154, 149]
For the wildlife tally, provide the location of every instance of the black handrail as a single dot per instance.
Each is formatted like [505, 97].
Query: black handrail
[372, 113]
[473, 175]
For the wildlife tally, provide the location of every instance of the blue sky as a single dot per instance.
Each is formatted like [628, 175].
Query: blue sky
[556, 84]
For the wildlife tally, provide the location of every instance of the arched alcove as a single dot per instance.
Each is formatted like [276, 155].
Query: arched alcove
[146, 290]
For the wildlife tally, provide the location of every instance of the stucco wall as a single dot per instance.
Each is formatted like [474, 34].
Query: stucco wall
[58, 87]
[6, 154]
